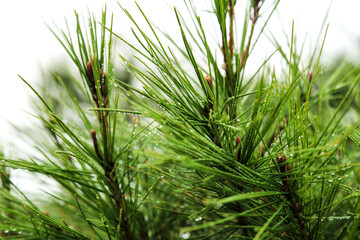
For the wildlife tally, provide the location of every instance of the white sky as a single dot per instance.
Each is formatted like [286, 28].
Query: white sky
[26, 43]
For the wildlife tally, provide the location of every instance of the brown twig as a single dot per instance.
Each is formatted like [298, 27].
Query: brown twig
[231, 33]
[295, 206]
[225, 65]
[227, 61]
[96, 146]
[254, 20]
[107, 163]
[109, 168]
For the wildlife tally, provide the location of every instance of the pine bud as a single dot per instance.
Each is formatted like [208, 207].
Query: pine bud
[238, 141]
[310, 76]
[208, 80]
[96, 146]
[89, 72]
[93, 134]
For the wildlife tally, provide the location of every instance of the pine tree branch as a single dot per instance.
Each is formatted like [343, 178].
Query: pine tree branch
[229, 58]
[295, 206]
[254, 20]
[231, 33]
[108, 163]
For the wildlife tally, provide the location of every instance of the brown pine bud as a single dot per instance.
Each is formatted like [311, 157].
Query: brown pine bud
[282, 159]
[310, 76]
[89, 72]
[96, 146]
[238, 141]
[102, 75]
[93, 134]
[208, 80]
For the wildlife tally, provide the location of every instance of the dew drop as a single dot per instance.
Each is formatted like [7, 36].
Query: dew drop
[198, 219]
[184, 235]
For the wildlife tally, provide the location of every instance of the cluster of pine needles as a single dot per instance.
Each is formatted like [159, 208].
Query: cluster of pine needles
[195, 145]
